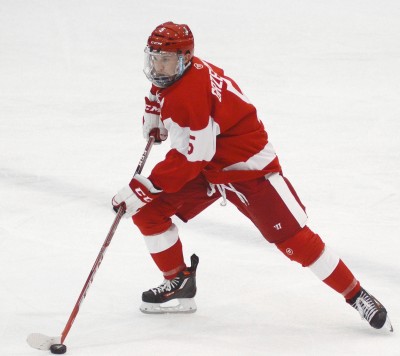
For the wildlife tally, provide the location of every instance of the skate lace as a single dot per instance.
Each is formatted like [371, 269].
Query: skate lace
[166, 286]
[365, 306]
[222, 190]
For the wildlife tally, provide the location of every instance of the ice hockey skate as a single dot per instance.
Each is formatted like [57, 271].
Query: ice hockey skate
[371, 310]
[175, 295]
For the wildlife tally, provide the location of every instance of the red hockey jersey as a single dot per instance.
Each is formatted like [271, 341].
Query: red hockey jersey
[214, 130]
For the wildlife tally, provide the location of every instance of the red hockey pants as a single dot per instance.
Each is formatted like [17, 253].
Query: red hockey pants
[273, 206]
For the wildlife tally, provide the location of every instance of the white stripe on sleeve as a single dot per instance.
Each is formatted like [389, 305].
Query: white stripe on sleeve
[195, 145]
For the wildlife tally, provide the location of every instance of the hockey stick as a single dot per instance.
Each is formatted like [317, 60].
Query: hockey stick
[55, 344]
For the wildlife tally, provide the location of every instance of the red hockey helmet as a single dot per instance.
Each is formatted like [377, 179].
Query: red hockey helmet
[169, 50]
[172, 37]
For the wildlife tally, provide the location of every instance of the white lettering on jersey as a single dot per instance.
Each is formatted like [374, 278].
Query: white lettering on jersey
[216, 85]
[216, 82]
[195, 145]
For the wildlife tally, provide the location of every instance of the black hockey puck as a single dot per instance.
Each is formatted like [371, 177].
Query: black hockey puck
[58, 349]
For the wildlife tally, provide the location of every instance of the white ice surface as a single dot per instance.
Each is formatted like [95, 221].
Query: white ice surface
[325, 77]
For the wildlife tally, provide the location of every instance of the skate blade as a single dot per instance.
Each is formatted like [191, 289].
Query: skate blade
[388, 325]
[183, 305]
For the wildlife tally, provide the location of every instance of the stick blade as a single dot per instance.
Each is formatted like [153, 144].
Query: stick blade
[42, 342]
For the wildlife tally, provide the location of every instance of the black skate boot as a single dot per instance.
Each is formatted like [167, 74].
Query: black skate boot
[371, 310]
[180, 290]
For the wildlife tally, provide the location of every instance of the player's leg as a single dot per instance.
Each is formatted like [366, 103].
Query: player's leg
[160, 234]
[276, 210]
[165, 247]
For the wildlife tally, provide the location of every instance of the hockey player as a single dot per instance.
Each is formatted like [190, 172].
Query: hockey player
[219, 148]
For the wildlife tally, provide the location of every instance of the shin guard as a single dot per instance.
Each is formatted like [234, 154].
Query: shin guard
[309, 250]
[166, 251]
[305, 247]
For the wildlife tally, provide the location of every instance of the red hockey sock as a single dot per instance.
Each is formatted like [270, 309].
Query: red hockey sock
[170, 261]
[309, 250]
[343, 281]
[166, 251]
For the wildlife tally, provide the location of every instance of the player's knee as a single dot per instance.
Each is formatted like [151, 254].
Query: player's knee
[151, 224]
[304, 247]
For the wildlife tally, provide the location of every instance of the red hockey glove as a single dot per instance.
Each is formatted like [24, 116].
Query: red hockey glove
[139, 192]
[152, 124]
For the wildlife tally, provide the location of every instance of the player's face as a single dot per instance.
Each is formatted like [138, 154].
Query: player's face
[164, 68]
[165, 64]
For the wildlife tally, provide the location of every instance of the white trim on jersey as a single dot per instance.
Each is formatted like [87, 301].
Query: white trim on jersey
[325, 264]
[216, 84]
[286, 195]
[161, 242]
[257, 162]
[195, 145]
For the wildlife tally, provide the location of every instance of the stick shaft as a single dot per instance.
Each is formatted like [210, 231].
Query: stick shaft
[145, 154]
[92, 273]
[103, 249]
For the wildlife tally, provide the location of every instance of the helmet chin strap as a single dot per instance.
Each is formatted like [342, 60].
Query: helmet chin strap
[187, 65]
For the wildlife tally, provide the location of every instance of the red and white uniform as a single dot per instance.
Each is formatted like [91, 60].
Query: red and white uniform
[216, 137]
[213, 129]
